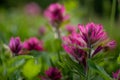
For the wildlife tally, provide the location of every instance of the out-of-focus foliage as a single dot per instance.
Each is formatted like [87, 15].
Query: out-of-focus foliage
[16, 22]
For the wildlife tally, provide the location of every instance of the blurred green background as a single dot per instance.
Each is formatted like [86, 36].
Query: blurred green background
[15, 21]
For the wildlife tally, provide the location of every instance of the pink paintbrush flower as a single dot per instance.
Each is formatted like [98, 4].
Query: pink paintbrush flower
[116, 75]
[33, 44]
[56, 14]
[15, 45]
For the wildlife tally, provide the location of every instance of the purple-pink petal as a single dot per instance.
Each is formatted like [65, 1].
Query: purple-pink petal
[98, 49]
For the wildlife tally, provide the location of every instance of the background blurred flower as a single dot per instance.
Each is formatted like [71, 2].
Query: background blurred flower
[33, 44]
[32, 8]
[116, 75]
[42, 30]
[15, 45]
[53, 73]
[56, 14]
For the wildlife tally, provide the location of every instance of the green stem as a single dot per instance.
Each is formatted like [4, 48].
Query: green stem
[113, 12]
[89, 52]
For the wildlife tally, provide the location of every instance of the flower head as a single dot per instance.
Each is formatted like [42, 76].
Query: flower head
[116, 75]
[15, 45]
[33, 44]
[56, 13]
[53, 73]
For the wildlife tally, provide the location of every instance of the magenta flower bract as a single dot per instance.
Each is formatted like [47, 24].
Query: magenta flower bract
[116, 75]
[56, 13]
[111, 44]
[15, 45]
[33, 44]
[53, 73]
[75, 45]
[92, 33]
[70, 28]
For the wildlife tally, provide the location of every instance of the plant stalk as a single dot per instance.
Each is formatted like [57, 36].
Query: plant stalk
[113, 12]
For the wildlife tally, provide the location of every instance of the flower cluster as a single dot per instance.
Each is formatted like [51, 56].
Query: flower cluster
[90, 40]
[56, 14]
[52, 74]
[33, 43]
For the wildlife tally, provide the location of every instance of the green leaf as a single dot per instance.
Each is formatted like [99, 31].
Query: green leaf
[31, 69]
[16, 63]
[16, 66]
[98, 69]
